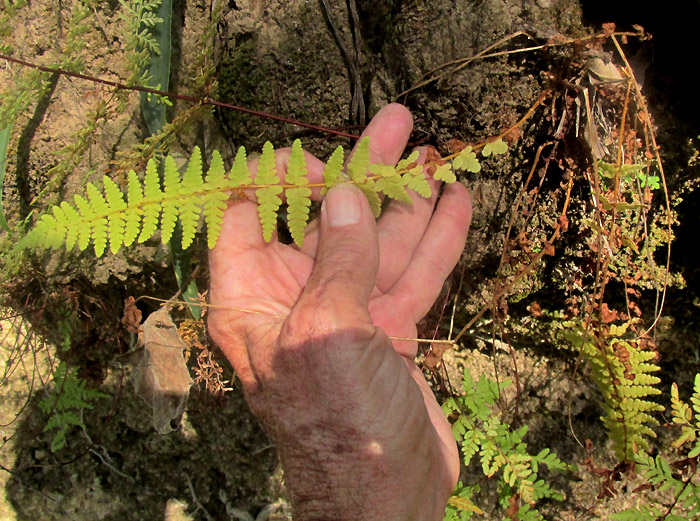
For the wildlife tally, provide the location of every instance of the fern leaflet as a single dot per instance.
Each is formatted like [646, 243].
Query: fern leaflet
[333, 171]
[268, 195]
[216, 203]
[169, 208]
[152, 198]
[190, 189]
[299, 196]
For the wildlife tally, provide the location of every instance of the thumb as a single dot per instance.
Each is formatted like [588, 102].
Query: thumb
[348, 256]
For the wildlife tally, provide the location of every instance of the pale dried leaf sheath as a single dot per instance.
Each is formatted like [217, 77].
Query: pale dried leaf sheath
[161, 378]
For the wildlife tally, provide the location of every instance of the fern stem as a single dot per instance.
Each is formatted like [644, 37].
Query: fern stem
[184, 97]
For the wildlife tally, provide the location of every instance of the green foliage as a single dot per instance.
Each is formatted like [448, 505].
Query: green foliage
[138, 17]
[215, 184]
[460, 506]
[622, 369]
[159, 33]
[502, 453]
[445, 173]
[30, 85]
[413, 175]
[466, 160]
[108, 217]
[65, 403]
[299, 196]
[680, 477]
[268, 193]
[497, 146]
[7, 23]
[358, 167]
[683, 417]
[629, 174]
[333, 171]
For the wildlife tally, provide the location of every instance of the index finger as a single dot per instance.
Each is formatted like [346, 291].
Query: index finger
[388, 134]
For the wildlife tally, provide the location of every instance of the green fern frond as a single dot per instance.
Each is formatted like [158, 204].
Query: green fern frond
[622, 372]
[240, 175]
[120, 219]
[466, 160]
[445, 173]
[85, 223]
[494, 147]
[66, 403]
[390, 182]
[152, 197]
[298, 197]
[268, 195]
[133, 213]
[479, 430]
[419, 184]
[117, 205]
[100, 209]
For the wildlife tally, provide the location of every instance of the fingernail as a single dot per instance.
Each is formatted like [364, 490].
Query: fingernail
[342, 205]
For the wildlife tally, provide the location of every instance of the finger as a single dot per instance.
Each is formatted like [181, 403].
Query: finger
[437, 253]
[388, 133]
[442, 427]
[338, 291]
[401, 228]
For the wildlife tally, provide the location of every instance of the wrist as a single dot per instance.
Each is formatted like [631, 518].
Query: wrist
[342, 476]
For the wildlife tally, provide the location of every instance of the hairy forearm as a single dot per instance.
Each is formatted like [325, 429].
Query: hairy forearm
[356, 446]
[348, 476]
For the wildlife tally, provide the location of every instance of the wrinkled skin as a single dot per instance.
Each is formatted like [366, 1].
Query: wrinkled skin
[359, 432]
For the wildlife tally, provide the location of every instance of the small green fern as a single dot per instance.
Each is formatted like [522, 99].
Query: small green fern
[679, 477]
[66, 403]
[622, 371]
[107, 217]
[480, 430]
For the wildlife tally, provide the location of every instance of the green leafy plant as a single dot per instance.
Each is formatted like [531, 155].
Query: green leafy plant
[65, 403]
[139, 17]
[679, 478]
[622, 369]
[109, 217]
[480, 430]
[629, 174]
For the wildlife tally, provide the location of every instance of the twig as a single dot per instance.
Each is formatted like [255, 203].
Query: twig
[196, 501]
[484, 54]
[193, 99]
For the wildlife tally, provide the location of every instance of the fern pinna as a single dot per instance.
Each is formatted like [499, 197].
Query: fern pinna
[112, 217]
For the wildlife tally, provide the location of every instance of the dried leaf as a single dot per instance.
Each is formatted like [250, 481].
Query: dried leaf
[434, 356]
[608, 28]
[161, 378]
[132, 316]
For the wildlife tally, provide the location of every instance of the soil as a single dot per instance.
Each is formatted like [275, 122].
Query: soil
[281, 57]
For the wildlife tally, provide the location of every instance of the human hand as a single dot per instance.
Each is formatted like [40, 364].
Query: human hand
[358, 429]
